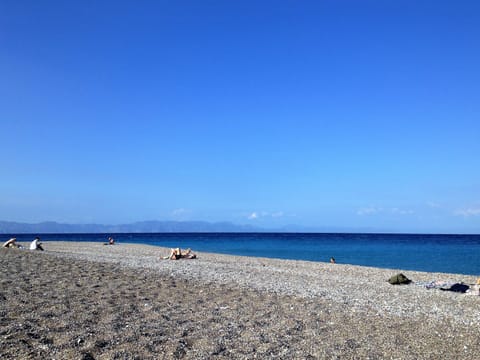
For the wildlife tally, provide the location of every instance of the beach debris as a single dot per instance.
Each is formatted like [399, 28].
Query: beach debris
[101, 343]
[180, 350]
[87, 356]
[219, 348]
[474, 290]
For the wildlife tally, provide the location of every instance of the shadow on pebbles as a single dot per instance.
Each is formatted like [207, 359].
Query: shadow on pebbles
[58, 308]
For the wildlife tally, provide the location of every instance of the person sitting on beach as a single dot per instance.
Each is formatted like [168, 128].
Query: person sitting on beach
[110, 241]
[12, 243]
[177, 253]
[36, 244]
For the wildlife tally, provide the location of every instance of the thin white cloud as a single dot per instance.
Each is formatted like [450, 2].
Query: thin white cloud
[372, 210]
[434, 205]
[265, 214]
[369, 211]
[180, 212]
[401, 211]
[468, 212]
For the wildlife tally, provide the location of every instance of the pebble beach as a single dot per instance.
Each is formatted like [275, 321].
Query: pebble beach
[91, 301]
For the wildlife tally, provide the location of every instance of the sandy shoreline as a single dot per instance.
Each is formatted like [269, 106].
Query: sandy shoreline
[223, 306]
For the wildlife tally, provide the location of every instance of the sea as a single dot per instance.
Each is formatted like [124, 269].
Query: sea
[458, 254]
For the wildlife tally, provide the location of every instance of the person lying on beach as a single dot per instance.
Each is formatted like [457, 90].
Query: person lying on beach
[177, 253]
[12, 243]
[36, 244]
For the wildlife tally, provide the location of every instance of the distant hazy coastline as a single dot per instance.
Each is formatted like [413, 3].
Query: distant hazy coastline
[10, 227]
[156, 226]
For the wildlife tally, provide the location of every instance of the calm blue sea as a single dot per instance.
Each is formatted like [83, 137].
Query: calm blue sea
[435, 253]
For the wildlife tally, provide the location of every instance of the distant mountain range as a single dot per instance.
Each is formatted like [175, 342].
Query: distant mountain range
[52, 227]
[10, 227]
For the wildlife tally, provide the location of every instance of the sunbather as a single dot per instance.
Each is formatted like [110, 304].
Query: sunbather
[12, 243]
[177, 253]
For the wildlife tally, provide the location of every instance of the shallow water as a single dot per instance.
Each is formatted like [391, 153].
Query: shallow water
[433, 253]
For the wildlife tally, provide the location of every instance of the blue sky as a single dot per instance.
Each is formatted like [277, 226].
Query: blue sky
[342, 114]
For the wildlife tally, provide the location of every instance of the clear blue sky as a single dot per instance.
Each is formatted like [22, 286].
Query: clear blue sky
[352, 114]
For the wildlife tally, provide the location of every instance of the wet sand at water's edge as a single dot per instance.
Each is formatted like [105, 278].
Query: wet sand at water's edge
[89, 301]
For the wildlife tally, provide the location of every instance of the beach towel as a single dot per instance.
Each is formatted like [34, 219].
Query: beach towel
[461, 288]
[399, 279]
[434, 284]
